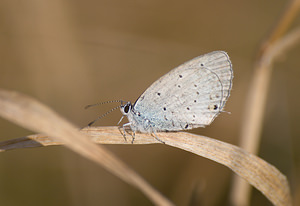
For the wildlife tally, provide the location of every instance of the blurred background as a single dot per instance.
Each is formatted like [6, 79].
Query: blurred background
[68, 54]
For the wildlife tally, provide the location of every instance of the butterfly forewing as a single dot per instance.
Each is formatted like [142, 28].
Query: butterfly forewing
[189, 96]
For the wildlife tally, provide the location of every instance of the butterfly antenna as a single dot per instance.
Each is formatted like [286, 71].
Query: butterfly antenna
[100, 103]
[226, 112]
[103, 115]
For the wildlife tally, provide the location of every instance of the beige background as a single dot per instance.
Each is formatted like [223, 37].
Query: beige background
[68, 54]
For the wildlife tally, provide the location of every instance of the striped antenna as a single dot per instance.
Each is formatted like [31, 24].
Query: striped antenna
[103, 115]
[100, 103]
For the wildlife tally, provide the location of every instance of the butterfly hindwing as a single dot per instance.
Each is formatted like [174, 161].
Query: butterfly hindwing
[189, 96]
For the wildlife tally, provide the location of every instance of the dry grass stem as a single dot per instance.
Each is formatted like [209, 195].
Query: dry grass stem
[283, 24]
[254, 170]
[251, 129]
[33, 115]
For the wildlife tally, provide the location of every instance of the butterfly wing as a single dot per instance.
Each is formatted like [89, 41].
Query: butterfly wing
[189, 96]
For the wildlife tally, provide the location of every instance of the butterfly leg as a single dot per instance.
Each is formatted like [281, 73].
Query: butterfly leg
[156, 137]
[133, 137]
[124, 131]
[121, 129]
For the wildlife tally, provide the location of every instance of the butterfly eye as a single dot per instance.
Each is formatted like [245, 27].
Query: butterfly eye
[127, 108]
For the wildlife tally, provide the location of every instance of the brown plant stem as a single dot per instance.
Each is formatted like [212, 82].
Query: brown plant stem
[254, 170]
[274, 46]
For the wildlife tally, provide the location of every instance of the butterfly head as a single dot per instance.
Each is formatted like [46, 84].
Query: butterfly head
[126, 108]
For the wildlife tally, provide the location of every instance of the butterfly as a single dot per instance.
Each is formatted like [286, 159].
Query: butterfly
[189, 96]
